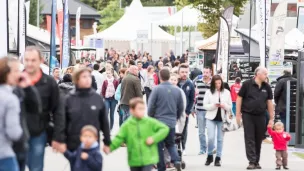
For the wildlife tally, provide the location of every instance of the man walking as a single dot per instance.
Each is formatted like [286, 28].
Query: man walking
[38, 123]
[98, 77]
[280, 95]
[130, 88]
[188, 87]
[166, 105]
[255, 96]
[56, 75]
[202, 84]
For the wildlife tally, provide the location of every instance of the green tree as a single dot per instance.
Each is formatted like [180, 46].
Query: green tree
[110, 14]
[97, 4]
[33, 13]
[211, 11]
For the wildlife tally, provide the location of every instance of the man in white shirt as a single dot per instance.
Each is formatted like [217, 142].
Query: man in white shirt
[99, 78]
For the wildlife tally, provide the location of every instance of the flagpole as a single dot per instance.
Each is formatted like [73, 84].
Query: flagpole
[250, 32]
[265, 30]
[38, 11]
[18, 30]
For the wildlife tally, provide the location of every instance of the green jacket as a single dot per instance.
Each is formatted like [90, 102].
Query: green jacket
[134, 132]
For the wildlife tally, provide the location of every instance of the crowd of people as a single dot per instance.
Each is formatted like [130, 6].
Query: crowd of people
[68, 109]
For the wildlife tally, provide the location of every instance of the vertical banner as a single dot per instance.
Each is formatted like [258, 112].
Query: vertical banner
[78, 26]
[223, 49]
[27, 9]
[66, 37]
[4, 28]
[228, 15]
[262, 14]
[300, 19]
[52, 60]
[78, 31]
[13, 17]
[21, 30]
[276, 55]
[60, 24]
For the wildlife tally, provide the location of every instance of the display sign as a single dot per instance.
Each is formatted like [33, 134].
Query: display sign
[142, 36]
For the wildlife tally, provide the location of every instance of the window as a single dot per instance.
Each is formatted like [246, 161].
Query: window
[291, 9]
[86, 24]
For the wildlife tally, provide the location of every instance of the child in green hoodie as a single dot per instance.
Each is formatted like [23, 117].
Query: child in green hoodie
[141, 135]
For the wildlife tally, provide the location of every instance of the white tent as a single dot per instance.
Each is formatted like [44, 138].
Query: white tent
[123, 33]
[187, 16]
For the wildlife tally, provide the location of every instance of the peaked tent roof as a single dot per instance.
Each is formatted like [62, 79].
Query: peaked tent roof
[134, 19]
[189, 15]
[86, 10]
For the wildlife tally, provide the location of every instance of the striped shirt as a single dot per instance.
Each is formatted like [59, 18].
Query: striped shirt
[202, 87]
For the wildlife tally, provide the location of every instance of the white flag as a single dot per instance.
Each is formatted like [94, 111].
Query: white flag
[78, 26]
[276, 54]
[3, 28]
[21, 29]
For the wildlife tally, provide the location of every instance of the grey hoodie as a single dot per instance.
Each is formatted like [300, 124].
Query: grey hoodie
[10, 128]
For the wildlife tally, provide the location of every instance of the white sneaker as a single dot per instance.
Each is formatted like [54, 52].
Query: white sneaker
[184, 153]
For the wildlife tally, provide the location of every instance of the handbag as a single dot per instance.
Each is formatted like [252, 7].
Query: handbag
[230, 123]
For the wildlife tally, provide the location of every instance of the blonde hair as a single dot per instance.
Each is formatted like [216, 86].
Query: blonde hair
[89, 128]
[77, 73]
[278, 124]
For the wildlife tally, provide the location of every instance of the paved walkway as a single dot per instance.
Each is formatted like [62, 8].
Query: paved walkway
[234, 158]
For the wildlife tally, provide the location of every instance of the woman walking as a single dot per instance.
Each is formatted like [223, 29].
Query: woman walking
[84, 107]
[10, 128]
[217, 102]
[149, 82]
[109, 87]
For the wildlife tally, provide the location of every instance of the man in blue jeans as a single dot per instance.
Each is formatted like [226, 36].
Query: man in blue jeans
[52, 111]
[165, 105]
[202, 84]
[187, 86]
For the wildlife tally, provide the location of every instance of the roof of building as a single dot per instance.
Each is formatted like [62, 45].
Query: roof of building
[86, 10]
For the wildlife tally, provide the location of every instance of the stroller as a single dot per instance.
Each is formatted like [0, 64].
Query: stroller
[178, 144]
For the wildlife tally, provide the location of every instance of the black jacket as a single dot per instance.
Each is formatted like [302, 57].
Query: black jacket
[84, 107]
[30, 102]
[280, 93]
[51, 110]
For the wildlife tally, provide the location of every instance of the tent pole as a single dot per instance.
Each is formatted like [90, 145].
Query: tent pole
[151, 39]
[182, 35]
[175, 40]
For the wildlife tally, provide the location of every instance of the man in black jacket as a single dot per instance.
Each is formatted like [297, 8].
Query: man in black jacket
[30, 102]
[39, 124]
[280, 95]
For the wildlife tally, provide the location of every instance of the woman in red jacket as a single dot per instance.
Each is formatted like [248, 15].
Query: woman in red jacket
[109, 87]
[234, 90]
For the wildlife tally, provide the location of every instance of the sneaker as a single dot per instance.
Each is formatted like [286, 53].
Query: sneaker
[278, 168]
[257, 166]
[202, 153]
[209, 160]
[285, 167]
[178, 166]
[217, 162]
[251, 167]
[184, 153]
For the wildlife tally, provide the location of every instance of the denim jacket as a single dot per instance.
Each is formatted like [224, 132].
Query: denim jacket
[189, 90]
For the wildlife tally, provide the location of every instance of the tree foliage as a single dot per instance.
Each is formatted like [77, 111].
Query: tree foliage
[110, 14]
[97, 4]
[211, 11]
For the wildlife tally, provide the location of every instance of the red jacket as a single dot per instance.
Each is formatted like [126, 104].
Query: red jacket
[279, 142]
[156, 81]
[105, 85]
[234, 90]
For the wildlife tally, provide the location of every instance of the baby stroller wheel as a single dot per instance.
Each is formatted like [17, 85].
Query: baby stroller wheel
[183, 165]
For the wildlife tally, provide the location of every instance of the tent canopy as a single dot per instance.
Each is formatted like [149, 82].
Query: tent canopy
[188, 16]
[135, 19]
[293, 39]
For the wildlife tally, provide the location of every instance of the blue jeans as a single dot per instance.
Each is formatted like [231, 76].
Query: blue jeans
[169, 142]
[234, 108]
[9, 164]
[36, 152]
[215, 127]
[111, 105]
[125, 111]
[120, 113]
[202, 130]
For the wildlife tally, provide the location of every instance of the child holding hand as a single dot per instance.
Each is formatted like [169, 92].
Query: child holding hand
[87, 157]
[280, 140]
[141, 135]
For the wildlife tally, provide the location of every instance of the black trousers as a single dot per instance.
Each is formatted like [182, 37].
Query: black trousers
[143, 168]
[254, 130]
[148, 92]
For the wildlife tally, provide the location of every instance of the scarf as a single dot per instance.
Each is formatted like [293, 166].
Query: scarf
[110, 92]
